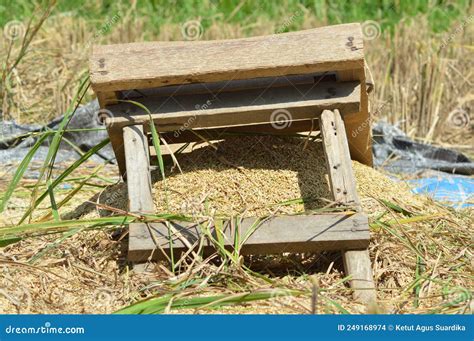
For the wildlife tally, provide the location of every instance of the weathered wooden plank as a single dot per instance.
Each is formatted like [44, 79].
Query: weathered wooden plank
[336, 149]
[342, 182]
[256, 129]
[107, 98]
[357, 264]
[228, 109]
[234, 111]
[138, 167]
[137, 160]
[156, 64]
[116, 140]
[230, 85]
[300, 233]
[358, 127]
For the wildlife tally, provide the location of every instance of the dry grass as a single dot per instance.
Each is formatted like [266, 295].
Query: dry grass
[422, 260]
[423, 81]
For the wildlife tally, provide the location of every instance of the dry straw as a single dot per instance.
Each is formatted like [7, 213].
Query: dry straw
[420, 250]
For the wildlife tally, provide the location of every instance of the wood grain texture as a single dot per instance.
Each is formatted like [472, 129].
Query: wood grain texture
[107, 98]
[138, 169]
[357, 264]
[300, 233]
[238, 108]
[336, 149]
[358, 127]
[302, 126]
[229, 85]
[116, 140]
[136, 150]
[343, 187]
[155, 64]
[252, 107]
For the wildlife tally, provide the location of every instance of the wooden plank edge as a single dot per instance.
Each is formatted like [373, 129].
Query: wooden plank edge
[358, 265]
[318, 232]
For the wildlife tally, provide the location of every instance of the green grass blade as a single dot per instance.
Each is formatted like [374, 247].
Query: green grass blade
[388, 227]
[54, 206]
[9, 240]
[72, 193]
[396, 208]
[54, 146]
[157, 305]
[44, 227]
[339, 307]
[155, 137]
[62, 176]
[20, 171]
[419, 281]
[255, 225]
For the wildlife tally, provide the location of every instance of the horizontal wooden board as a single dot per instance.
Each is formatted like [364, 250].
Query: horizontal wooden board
[229, 85]
[240, 111]
[238, 108]
[276, 235]
[155, 64]
[200, 135]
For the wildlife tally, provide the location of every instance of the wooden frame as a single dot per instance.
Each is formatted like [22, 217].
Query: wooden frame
[243, 108]
[121, 67]
[336, 231]
[247, 92]
[333, 49]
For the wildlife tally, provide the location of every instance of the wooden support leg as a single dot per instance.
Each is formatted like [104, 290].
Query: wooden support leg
[342, 182]
[137, 161]
[357, 263]
[358, 126]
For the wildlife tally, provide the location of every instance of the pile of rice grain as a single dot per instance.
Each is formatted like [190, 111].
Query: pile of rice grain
[254, 175]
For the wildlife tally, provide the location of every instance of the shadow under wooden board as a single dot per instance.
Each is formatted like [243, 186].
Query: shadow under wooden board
[212, 87]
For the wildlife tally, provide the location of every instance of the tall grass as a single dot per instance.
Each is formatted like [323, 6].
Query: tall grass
[420, 62]
[441, 13]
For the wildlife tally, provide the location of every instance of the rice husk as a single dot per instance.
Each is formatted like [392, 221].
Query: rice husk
[259, 176]
[88, 272]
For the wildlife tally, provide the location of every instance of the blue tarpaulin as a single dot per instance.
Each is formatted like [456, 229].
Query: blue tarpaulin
[455, 191]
